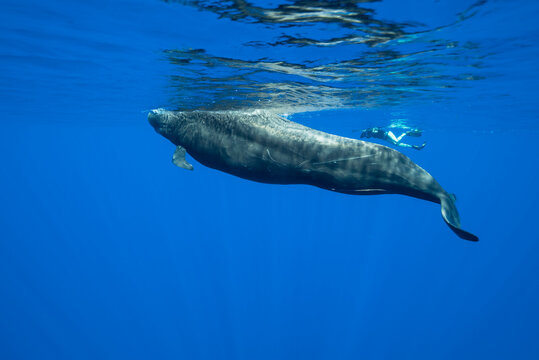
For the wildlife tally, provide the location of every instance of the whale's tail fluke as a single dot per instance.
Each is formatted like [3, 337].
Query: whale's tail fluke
[451, 217]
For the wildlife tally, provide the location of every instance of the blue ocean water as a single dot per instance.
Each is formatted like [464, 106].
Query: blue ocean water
[109, 251]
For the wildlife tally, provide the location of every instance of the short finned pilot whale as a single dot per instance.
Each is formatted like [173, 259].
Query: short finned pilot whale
[265, 147]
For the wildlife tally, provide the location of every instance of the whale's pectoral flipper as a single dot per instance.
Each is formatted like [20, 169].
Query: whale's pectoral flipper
[178, 158]
[451, 217]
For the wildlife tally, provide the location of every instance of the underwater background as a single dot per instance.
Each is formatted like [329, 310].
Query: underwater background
[107, 250]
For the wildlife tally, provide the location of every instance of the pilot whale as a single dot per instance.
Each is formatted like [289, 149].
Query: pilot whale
[265, 147]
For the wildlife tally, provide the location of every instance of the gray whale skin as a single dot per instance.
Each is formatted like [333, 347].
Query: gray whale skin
[264, 147]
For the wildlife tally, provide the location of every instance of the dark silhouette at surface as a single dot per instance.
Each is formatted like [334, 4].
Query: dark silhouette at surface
[389, 136]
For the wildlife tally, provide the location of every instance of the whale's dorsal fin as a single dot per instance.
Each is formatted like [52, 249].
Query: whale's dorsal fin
[178, 158]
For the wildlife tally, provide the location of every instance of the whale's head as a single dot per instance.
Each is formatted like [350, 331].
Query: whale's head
[167, 123]
[160, 120]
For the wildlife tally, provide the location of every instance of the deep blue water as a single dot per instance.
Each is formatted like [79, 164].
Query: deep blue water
[108, 251]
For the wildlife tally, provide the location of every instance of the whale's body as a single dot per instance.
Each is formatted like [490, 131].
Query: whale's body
[264, 147]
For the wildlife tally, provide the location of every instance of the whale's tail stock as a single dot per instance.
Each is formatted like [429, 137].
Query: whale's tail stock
[451, 217]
